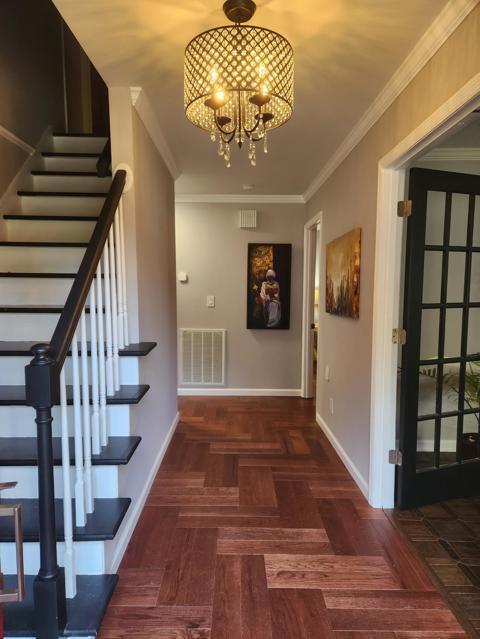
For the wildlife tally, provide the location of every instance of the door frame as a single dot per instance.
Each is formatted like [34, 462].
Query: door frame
[309, 258]
[392, 171]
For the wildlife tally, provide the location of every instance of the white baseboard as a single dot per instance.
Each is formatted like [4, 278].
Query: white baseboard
[239, 392]
[352, 469]
[137, 507]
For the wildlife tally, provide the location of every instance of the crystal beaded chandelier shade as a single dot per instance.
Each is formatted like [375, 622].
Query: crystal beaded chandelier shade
[238, 81]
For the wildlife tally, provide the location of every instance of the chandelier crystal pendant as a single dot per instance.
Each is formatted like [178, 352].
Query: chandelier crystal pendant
[238, 81]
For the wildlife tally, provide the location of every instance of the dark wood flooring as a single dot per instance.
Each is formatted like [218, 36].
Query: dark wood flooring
[255, 530]
[447, 536]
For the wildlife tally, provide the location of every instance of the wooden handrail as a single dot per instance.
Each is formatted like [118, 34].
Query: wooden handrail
[105, 159]
[67, 324]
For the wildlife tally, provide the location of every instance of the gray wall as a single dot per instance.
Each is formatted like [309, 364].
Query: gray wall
[348, 199]
[213, 251]
[32, 81]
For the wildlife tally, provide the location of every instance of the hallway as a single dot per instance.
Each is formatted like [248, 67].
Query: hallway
[254, 530]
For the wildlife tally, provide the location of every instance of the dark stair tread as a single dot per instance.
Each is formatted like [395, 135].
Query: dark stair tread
[46, 244]
[66, 154]
[68, 134]
[21, 348]
[60, 194]
[51, 218]
[128, 394]
[71, 174]
[85, 611]
[34, 308]
[22, 451]
[102, 524]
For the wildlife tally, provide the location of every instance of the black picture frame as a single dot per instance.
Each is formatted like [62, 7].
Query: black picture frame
[268, 299]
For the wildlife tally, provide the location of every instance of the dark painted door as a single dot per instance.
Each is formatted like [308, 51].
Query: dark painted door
[440, 380]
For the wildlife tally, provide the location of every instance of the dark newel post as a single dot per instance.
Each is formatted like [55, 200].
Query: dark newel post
[42, 392]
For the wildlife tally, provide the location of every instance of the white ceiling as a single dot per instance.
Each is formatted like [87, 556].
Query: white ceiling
[345, 52]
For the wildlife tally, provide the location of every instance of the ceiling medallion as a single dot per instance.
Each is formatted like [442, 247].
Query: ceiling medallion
[238, 81]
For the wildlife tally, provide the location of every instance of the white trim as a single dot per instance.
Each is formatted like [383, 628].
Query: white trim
[439, 31]
[451, 154]
[11, 137]
[137, 507]
[357, 476]
[309, 255]
[239, 392]
[144, 109]
[391, 176]
[228, 198]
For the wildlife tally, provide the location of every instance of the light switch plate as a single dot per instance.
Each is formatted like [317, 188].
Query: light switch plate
[210, 301]
[183, 277]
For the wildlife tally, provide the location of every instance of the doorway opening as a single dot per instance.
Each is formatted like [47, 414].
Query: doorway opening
[312, 241]
[388, 297]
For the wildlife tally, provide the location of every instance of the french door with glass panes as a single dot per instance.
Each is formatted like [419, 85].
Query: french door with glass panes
[440, 367]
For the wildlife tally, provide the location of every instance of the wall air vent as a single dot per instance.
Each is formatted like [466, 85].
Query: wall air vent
[202, 356]
[248, 219]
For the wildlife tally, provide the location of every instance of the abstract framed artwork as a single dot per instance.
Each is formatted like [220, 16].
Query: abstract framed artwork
[268, 286]
[343, 275]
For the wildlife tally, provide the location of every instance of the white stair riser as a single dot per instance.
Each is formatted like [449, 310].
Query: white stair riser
[46, 231]
[60, 205]
[40, 259]
[12, 369]
[26, 290]
[21, 326]
[73, 183]
[89, 557]
[73, 144]
[105, 478]
[18, 421]
[67, 164]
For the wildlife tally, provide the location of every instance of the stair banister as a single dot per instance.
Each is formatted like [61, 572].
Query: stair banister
[43, 378]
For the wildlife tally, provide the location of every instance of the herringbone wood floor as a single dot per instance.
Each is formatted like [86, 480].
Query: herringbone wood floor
[255, 530]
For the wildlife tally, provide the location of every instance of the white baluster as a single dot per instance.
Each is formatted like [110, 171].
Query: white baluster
[69, 555]
[87, 428]
[101, 361]
[80, 517]
[114, 309]
[124, 275]
[108, 320]
[94, 364]
[118, 278]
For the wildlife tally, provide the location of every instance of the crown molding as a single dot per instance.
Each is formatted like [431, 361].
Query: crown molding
[451, 16]
[446, 154]
[220, 198]
[142, 105]
[11, 137]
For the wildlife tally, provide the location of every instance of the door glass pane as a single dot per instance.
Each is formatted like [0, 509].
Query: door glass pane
[429, 337]
[432, 277]
[473, 341]
[475, 278]
[459, 223]
[448, 440]
[476, 225]
[450, 387]
[472, 385]
[453, 332]
[470, 436]
[427, 390]
[425, 444]
[456, 277]
[435, 217]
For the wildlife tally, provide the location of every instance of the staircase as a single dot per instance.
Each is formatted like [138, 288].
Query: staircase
[46, 234]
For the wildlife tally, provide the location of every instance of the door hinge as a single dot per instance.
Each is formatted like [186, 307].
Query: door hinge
[404, 208]
[399, 336]
[395, 457]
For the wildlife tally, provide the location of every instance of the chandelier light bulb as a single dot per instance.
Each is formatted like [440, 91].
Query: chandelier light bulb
[238, 81]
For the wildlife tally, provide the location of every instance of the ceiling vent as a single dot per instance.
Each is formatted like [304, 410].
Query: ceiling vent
[202, 356]
[248, 219]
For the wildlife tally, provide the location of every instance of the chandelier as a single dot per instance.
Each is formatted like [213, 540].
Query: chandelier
[238, 82]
